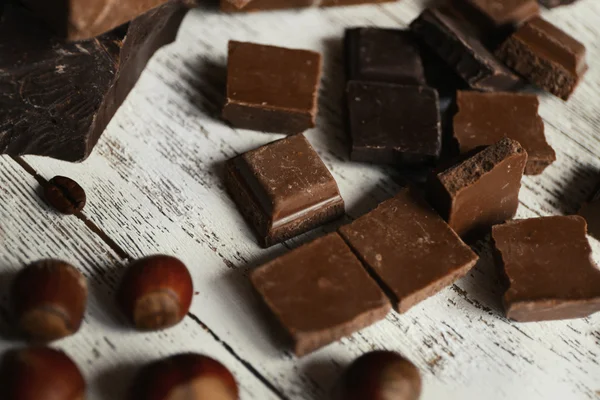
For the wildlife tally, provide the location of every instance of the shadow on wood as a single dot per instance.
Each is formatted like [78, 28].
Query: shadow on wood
[115, 383]
[577, 190]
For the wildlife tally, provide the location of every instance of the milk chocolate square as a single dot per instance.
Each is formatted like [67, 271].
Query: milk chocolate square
[283, 189]
[548, 264]
[482, 190]
[410, 248]
[271, 89]
[485, 118]
[320, 293]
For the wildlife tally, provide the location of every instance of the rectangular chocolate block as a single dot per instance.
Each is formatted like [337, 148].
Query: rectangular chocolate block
[556, 3]
[458, 44]
[271, 89]
[57, 98]
[283, 189]
[394, 124]
[264, 5]
[410, 248]
[548, 264]
[482, 190]
[546, 56]
[320, 293]
[384, 55]
[485, 118]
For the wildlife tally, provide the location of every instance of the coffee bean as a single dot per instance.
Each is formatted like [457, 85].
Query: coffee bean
[65, 195]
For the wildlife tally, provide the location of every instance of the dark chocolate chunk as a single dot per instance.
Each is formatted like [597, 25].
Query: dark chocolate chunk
[485, 118]
[410, 248]
[320, 293]
[272, 89]
[591, 212]
[494, 15]
[546, 56]
[384, 55]
[482, 190]
[556, 3]
[262, 5]
[56, 98]
[64, 195]
[283, 189]
[548, 264]
[458, 44]
[394, 124]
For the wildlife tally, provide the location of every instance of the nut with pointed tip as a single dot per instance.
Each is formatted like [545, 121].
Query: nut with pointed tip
[381, 375]
[185, 377]
[156, 292]
[49, 299]
[40, 373]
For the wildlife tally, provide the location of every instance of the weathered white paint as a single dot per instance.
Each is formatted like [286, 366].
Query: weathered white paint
[154, 186]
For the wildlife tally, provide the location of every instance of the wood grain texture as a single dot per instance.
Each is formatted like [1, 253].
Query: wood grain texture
[155, 185]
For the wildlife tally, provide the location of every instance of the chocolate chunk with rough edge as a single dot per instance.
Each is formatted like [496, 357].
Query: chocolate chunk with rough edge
[410, 248]
[283, 189]
[482, 190]
[320, 293]
[548, 264]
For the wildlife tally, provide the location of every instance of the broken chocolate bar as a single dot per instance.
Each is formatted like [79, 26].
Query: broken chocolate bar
[320, 293]
[394, 124]
[271, 89]
[263, 5]
[459, 46]
[485, 118]
[547, 262]
[56, 98]
[283, 189]
[410, 248]
[546, 56]
[481, 191]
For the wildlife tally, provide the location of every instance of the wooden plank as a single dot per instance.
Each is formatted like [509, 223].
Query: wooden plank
[155, 186]
[107, 351]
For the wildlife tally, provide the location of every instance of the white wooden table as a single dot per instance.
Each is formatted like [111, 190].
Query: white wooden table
[154, 186]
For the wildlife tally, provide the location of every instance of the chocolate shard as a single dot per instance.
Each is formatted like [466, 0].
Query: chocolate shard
[458, 44]
[320, 293]
[482, 190]
[547, 262]
[410, 248]
[546, 56]
[556, 3]
[485, 118]
[264, 5]
[57, 98]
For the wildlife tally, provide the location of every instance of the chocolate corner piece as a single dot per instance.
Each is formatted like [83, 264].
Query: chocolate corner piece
[482, 190]
[271, 89]
[547, 262]
[320, 293]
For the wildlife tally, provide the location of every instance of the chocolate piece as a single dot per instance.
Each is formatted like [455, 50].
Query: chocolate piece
[498, 14]
[283, 189]
[238, 4]
[485, 118]
[320, 293]
[556, 3]
[547, 262]
[481, 191]
[64, 195]
[272, 89]
[56, 98]
[458, 45]
[413, 252]
[591, 212]
[263, 5]
[394, 124]
[546, 56]
[385, 55]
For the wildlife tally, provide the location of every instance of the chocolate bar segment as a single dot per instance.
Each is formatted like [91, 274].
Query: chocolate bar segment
[384, 55]
[485, 118]
[482, 190]
[264, 5]
[458, 44]
[57, 98]
[283, 189]
[272, 89]
[547, 262]
[410, 248]
[546, 56]
[394, 124]
[320, 293]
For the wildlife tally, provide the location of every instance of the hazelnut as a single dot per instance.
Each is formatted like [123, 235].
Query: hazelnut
[381, 375]
[185, 377]
[40, 373]
[49, 299]
[156, 292]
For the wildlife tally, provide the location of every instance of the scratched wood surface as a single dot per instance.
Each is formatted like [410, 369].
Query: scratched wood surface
[154, 186]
